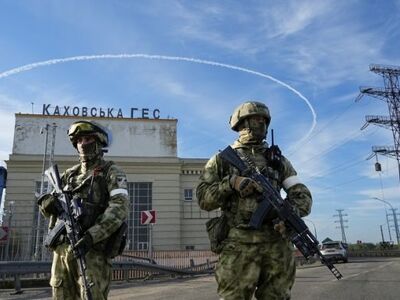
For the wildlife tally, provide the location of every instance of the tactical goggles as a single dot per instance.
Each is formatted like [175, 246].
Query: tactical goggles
[82, 127]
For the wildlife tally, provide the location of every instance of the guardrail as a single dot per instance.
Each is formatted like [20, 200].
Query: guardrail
[374, 253]
[17, 268]
[121, 269]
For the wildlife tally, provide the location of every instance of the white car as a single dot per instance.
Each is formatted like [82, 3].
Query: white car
[335, 251]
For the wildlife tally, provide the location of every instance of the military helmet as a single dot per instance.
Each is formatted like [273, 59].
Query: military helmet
[80, 128]
[247, 109]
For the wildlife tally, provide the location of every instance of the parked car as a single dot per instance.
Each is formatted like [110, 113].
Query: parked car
[335, 251]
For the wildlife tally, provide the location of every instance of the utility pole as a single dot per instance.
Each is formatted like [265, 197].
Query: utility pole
[10, 215]
[48, 159]
[383, 238]
[391, 95]
[396, 224]
[388, 224]
[341, 221]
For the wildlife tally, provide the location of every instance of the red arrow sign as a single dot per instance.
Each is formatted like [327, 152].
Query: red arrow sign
[3, 233]
[148, 217]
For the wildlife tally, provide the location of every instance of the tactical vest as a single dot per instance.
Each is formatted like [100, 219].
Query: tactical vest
[92, 191]
[91, 198]
[239, 210]
[94, 199]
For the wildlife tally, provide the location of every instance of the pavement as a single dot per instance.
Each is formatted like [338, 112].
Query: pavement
[118, 288]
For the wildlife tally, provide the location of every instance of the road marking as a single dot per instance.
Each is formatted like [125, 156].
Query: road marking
[367, 271]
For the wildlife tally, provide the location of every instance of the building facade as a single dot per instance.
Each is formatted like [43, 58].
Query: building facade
[146, 149]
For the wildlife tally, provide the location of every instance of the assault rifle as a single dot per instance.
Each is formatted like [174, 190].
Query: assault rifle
[73, 230]
[271, 199]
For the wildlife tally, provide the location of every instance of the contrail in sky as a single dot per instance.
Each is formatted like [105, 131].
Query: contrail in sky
[164, 57]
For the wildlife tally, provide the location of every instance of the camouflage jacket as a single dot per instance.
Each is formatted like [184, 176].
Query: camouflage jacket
[103, 190]
[214, 191]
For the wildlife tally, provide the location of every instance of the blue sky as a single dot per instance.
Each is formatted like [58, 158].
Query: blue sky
[322, 49]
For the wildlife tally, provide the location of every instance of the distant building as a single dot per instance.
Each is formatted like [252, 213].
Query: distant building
[146, 149]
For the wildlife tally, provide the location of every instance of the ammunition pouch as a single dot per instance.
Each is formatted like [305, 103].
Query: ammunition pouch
[54, 237]
[218, 230]
[117, 241]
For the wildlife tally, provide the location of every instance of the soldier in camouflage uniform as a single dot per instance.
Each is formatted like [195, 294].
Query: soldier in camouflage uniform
[102, 186]
[252, 261]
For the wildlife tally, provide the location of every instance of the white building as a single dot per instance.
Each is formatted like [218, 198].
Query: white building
[146, 149]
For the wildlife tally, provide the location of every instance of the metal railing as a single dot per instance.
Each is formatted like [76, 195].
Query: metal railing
[374, 253]
[130, 265]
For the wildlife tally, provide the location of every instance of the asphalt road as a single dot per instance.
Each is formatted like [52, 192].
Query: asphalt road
[366, 278]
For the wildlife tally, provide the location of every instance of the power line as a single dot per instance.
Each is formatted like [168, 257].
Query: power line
[327, 124]
[336, 145]
[336, 169]
[349, 181]
[344, 183]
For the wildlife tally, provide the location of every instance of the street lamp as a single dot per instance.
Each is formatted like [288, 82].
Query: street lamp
[396, 227]
[315, 230]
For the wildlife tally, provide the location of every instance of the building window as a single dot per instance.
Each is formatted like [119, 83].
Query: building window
[189, 247]
[140, 199]
[46, 187]
[188, 194]
[142, 246]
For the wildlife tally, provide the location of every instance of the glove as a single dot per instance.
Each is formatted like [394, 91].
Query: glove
[295, 208]
[244, 185]
[280, 227]
[49, 203]
[83, 245]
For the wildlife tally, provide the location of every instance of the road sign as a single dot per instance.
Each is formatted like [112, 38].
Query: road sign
[3, 233]
[148, 217]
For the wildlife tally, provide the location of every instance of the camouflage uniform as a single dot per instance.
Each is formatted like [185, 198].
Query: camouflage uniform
[252, 261]
[103, 189]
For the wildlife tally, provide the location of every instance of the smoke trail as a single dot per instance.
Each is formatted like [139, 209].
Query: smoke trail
[163, 57]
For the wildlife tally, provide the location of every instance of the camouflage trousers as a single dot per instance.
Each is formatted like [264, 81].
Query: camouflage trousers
[266, 269]
[66, 282]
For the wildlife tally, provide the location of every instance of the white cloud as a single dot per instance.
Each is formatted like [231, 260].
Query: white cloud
[257, 23]
[13, 103]
[10, 105]
[365, 207]
[287, 18]
[324, 42]
[389, 194]
[313, 156]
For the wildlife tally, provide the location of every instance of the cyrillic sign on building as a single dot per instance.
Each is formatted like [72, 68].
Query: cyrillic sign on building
[134, 112]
